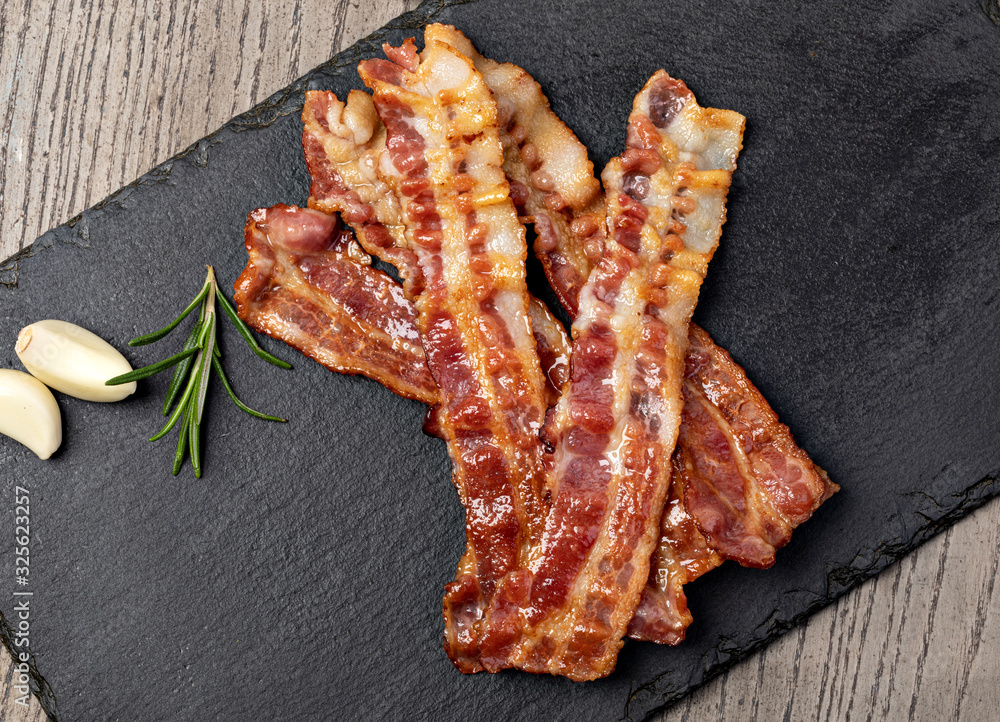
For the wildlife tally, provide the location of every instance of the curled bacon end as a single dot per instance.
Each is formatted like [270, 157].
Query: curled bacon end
[682, 556]
[748, 484]
[662, 616]
[405, 55]
[307, 283]
[552, 179]
[342, 143]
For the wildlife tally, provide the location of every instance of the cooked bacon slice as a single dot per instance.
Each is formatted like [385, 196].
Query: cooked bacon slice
[443, 159]
[308, 284]
[342, 143]
[569, 238]
[275, 297]
[551, 176]
[741, 482]
[615, 428]
[748, 484]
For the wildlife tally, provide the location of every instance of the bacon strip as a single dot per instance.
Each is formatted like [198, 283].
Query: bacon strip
[342, 144]
[615, 428]
[551, 176]
[552, 179]
[546, 165]
[552, 165]
[443, 159]
[308, 284]
[748, 484]
[351, 318]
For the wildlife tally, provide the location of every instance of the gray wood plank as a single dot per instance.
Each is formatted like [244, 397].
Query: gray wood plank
[94, 94]
[918, 642]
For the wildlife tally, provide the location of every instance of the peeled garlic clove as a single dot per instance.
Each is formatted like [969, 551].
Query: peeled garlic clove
[29, 413]
[73, 360]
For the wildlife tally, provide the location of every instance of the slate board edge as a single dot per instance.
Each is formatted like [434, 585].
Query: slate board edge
[650, 698]
[281, 103]
[74, 232]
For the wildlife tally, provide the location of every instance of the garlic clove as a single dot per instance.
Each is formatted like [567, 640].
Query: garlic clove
[73, 360]
[29, 413]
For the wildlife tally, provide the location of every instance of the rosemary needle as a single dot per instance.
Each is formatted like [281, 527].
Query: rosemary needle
[247, 336]
[195, 363]
[232, 395]
[152, 369]
[157, 335]
[181, 372]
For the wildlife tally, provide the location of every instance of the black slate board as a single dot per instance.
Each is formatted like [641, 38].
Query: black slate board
[857, 282]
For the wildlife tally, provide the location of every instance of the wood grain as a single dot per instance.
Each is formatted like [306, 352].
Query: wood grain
[94, 94]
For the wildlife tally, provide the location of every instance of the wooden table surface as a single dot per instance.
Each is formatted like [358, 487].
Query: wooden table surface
[96, 93]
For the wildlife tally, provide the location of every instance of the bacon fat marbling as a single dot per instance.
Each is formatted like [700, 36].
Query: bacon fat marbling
[572, 544]
[443, 161]
[614, 430]
[308, 284]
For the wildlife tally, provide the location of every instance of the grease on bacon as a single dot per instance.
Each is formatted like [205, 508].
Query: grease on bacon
[551, 176]
[343, 143]
[443, 159]
[615, 428]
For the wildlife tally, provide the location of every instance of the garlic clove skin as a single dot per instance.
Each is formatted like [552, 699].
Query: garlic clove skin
[73, 360]
[29, 413]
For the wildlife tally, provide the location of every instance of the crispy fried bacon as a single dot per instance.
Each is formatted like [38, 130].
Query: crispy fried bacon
[308, 284]
[748, 484]
[552, 179]
[319, 295]
[739, 483]
[443, 159]
[342, 145]
[615, 428]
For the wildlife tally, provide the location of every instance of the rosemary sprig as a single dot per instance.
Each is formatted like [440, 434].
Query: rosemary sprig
[195, 363]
